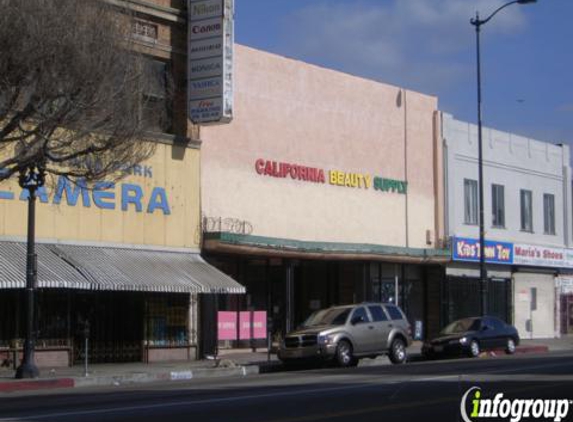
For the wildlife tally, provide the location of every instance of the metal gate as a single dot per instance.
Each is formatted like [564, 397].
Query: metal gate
[208, 306]
[499, 298]
[115, 321]
[461, 298]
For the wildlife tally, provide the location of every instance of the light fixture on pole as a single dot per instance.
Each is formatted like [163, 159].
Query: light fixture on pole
[31, 179]
[477, 22]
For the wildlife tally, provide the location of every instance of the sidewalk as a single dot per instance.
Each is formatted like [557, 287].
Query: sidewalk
[235, 363]
[564, 343]
[230, 363]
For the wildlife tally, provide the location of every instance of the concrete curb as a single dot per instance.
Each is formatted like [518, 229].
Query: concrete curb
[127, 379]
[532, 349]
[12, 386]
[40, 384]
[185, 375]
[519, 350]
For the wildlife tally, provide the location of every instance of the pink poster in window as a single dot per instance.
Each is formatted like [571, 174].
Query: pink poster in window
[227, 325]
[259, 325]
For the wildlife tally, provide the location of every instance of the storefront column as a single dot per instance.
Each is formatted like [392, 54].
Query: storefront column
[69, 319]
[208, 333]
[366, 285]
[269, 286]
[289, 296]
[397, 271]
[192, 325]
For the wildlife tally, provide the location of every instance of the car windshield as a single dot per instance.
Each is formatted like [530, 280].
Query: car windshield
[461, 326]
[333, 316]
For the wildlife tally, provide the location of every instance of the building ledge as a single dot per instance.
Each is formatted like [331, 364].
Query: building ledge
[289, 248]
[168, 14]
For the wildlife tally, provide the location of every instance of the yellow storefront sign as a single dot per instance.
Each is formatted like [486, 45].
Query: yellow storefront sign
[157, 203]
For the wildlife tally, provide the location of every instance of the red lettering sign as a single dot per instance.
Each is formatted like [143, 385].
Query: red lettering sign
[294, 171]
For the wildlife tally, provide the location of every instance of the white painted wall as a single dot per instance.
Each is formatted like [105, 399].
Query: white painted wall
[517, 163]
[543, 318]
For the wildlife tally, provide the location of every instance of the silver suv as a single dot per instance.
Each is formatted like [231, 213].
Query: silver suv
[347, 333]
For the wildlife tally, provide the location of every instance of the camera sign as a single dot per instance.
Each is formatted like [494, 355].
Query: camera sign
[210, 56]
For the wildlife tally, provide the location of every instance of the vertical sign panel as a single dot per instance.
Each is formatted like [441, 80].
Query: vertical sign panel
[226, 325]
[210, 61]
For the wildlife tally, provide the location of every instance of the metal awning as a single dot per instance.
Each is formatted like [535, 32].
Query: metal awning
[53, 272]
[113, 268]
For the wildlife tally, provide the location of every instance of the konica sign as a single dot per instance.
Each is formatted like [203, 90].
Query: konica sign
[210, 67]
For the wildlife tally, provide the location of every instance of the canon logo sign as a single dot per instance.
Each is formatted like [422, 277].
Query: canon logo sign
[203, 29]
[210, 61]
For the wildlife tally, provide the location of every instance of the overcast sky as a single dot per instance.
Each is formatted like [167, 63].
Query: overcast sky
[429, 46]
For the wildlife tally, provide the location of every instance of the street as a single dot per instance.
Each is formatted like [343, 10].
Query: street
[429, 390]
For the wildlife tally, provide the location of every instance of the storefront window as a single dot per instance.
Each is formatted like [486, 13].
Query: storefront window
[157, 112]
[548, 213]
[470, 201]
[9, 300]
[383, 282]
[412, 298]
[498, 206]
[167, 320]
[53, 318]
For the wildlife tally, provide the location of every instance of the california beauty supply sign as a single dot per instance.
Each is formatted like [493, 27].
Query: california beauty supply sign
[336, 177]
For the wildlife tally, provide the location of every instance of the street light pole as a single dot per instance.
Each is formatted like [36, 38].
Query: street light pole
[477, 22]
[30, 179]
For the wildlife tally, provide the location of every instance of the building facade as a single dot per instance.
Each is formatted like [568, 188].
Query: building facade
[528, 226]
[323, 191]
[119, 264]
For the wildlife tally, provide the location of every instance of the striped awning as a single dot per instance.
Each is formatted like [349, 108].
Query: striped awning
[53, 272]
[109, 268]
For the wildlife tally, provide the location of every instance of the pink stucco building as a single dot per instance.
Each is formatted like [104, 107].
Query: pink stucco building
[324, 189]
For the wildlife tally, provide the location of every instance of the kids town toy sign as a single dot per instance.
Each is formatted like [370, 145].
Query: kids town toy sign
[468, 250]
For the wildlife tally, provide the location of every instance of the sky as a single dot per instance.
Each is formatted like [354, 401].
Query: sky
[429, 46]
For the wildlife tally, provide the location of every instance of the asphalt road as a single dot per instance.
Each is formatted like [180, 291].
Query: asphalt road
[416, 391]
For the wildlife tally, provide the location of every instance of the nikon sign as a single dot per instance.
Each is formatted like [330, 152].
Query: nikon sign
[210, 55]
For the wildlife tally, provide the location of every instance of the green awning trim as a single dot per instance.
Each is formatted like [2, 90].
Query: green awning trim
[323, 247]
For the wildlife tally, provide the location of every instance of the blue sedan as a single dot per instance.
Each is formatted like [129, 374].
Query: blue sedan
[471, 336]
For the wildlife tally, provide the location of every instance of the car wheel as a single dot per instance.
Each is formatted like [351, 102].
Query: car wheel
[344, 355]
[474, 349]
[510, 347]
[398, 351]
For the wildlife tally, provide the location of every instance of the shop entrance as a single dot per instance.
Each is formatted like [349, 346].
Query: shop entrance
[115, 323]
[567, 314]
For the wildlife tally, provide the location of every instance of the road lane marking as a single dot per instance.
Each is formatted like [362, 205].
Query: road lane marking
[120, 409]
[385, 408]
[187, 403]
[365, 383]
